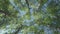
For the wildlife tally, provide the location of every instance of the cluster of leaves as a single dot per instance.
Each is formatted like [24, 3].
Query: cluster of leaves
[27, 16]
